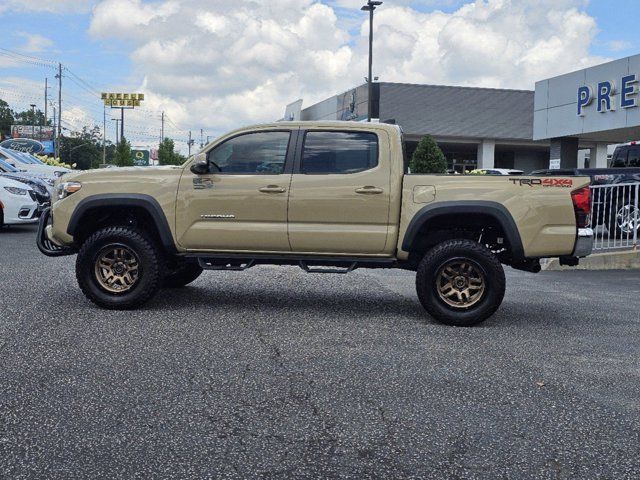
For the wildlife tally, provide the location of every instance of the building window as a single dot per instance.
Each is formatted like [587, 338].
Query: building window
[339, 152]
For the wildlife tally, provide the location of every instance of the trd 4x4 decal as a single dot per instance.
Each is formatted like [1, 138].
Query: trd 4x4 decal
[543, 182]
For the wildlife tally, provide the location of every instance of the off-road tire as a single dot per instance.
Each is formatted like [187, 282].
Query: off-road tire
[183, 274]
[150, 260]
[482, 260]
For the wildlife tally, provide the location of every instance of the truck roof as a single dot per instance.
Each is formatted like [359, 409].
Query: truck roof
[329, 124]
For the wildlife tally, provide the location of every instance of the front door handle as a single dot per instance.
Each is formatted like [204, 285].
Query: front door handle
[369, 190]
[272, 189]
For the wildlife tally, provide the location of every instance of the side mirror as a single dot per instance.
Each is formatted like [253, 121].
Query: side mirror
[200, 165]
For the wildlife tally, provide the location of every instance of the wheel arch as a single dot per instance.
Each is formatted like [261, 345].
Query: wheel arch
[438, 213]
[134, 202]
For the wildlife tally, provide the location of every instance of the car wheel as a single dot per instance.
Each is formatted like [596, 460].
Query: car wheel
[181, 275]
[625, 221]
[119, 268]
[460, 283]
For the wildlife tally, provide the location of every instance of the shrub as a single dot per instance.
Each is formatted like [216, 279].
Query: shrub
[428, 158]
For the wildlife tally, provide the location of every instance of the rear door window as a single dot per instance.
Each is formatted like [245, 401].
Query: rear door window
[339, 152]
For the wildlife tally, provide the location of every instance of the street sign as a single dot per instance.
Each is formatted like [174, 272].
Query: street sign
[23, 145]
[140, 158]
[122, 99]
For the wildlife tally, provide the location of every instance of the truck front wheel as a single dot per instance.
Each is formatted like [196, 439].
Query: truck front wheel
[460, 283]
[119, 268]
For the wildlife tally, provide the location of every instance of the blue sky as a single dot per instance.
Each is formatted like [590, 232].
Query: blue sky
[104, 60]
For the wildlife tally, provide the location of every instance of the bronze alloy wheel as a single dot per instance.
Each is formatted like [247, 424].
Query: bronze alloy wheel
[117, 268]
[460, 283]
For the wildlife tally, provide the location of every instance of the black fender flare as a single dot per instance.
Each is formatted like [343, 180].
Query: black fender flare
[146, 202]
[495, 210]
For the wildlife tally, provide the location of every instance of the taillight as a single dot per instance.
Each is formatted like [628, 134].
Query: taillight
[582, 206]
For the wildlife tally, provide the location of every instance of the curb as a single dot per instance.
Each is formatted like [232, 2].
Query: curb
[625, 260]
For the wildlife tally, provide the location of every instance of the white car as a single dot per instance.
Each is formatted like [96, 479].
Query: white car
[496, 171]
[25, 161]
[18, 204]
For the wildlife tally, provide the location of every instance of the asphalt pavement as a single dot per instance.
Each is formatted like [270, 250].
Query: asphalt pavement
[274, 373]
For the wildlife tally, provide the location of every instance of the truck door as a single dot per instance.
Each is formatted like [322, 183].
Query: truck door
[340, 192]
[241, 205]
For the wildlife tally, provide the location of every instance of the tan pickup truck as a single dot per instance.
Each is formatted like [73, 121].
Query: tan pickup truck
[327, 196]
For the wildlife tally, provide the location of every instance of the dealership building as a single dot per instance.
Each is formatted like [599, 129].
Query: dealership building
[568, 121]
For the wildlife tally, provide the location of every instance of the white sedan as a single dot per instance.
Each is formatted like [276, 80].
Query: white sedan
[18, 204]
[25, 161]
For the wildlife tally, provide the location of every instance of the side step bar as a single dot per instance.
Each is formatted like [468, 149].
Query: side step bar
[209, 264]
[310, 264]
[304, 266]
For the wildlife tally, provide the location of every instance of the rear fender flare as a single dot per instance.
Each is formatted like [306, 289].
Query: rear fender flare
[495, 210]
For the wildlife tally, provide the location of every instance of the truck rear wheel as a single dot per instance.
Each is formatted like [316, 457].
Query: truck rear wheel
[119, 268]
[460, 283]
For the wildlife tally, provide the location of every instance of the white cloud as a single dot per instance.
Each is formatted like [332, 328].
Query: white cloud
[619, 45]
[223, 63]
[34, 42]
[74, 119]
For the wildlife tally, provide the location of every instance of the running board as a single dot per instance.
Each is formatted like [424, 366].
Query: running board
[304, 266]
[211, 264]
[308, 263]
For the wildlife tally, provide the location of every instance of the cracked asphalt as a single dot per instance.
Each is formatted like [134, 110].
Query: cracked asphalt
[274, 373]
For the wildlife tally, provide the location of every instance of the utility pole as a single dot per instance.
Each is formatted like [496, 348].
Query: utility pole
[117, 120]
[370, 7]
[190, 142]
[59, 77]
[46, 88]
[201, 138]
[104, 134]
[162, 129]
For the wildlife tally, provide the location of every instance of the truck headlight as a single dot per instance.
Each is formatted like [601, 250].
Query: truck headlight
[67, 188]
[16, 190]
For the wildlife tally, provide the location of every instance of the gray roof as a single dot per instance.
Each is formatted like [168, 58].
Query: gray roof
[447, 111]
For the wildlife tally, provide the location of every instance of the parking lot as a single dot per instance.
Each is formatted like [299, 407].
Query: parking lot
[276, 373]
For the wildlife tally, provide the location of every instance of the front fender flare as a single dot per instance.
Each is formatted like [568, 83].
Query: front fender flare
[146, 202]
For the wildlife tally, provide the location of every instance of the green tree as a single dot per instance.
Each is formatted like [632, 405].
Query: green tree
[122, 157]
[167, 155]
[428, 158]
[29, 117]
[82, 148]
[6, 119]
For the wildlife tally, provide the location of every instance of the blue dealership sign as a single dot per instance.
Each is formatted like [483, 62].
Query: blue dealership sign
[49, 147]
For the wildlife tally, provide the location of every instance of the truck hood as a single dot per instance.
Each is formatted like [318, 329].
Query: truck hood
[113, 174]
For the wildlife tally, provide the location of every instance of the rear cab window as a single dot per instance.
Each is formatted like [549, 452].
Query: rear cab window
[338, 152]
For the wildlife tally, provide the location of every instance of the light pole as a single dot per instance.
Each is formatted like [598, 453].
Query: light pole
[370, 7]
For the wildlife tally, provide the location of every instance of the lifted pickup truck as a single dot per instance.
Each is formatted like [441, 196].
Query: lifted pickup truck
[329, 197]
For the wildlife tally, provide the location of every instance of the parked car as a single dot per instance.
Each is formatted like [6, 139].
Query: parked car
[18, 203]
[24, 161]
[626, 156]
[496, 171]
[335, 197]
[43, 189]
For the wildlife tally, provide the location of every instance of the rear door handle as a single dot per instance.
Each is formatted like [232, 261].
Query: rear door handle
[369, 190]
[272, 189]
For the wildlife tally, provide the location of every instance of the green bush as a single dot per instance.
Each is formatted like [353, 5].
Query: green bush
[428, 158]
